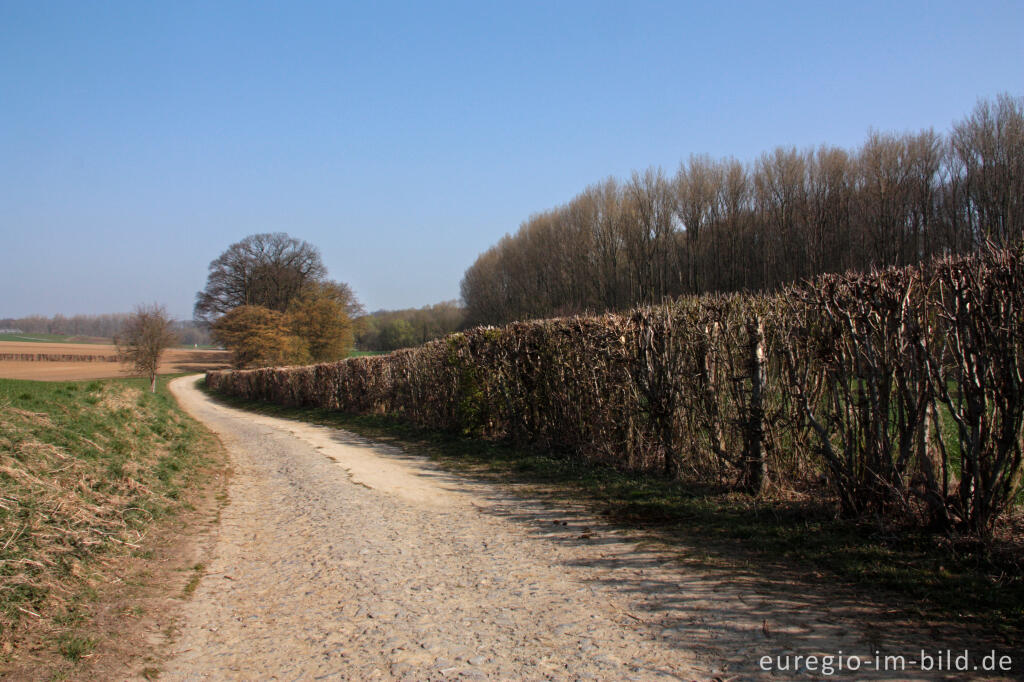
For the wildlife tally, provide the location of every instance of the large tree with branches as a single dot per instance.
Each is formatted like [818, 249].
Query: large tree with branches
[268, 299]
[270, 270]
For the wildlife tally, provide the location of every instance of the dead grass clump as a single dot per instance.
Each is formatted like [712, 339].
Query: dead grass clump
[82, 474]
[120, 398]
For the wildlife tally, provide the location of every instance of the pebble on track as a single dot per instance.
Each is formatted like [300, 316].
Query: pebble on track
[339, 558]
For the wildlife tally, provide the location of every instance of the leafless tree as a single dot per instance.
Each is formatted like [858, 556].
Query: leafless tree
[268, 270]
[146, 334]
[989, 146]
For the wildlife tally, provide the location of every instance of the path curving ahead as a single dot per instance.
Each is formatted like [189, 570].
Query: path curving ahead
[340, 558]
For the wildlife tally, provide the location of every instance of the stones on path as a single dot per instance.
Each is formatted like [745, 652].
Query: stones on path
[334, 580]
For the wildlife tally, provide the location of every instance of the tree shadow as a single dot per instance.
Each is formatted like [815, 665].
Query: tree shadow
[684, 582]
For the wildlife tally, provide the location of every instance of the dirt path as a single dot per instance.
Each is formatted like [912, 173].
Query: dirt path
[338, 558]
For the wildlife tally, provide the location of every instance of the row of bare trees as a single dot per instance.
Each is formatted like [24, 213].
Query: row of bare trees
[721, 225]
[75, 325]
[105, 326]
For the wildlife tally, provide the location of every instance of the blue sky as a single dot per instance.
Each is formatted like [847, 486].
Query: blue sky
[138, 140]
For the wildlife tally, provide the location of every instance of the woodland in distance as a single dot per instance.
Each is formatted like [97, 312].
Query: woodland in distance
[721, 225]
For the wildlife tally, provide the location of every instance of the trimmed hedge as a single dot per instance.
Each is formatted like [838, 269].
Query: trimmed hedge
[902, 387]
[56, 357]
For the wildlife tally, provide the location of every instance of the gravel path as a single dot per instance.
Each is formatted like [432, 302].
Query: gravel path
[339, 558]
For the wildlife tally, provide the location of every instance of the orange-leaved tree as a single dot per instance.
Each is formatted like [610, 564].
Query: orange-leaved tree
[319, 318]
[259, 337]
[268, 300]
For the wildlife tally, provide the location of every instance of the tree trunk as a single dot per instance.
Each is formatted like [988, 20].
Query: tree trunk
[755, 473]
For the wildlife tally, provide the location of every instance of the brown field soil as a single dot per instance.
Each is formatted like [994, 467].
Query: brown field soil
[174, 361]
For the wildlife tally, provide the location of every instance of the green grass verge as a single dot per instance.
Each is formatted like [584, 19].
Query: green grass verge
[49, 338]
[364, 353]
[924, 575]
[86, 468]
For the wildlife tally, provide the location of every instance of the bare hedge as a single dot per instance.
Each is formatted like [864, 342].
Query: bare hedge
[56, 357]
[902, 388]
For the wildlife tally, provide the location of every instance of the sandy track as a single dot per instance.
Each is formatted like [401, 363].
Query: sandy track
[339, 558]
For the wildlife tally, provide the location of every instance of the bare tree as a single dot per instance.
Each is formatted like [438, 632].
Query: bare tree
[989, 148]
[146, 334]
[269, 270]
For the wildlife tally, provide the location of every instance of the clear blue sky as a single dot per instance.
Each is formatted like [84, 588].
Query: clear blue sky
[139, 139]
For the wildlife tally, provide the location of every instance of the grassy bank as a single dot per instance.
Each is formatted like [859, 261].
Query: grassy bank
[87, 471]
[53, 338]
[942, 579]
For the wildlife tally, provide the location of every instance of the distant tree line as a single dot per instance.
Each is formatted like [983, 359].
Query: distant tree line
[105, 326]
[394, 329]
[722, 225]
[189, 333]
[77, 325]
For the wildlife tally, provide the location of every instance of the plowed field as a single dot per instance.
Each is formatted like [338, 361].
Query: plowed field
[72, 361]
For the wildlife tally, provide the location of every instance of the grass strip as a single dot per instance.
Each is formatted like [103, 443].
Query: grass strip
[86, 470]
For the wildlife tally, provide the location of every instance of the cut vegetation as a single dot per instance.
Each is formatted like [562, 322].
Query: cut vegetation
[89, 474]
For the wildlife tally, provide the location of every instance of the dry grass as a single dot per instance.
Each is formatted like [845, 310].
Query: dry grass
[85, 469]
